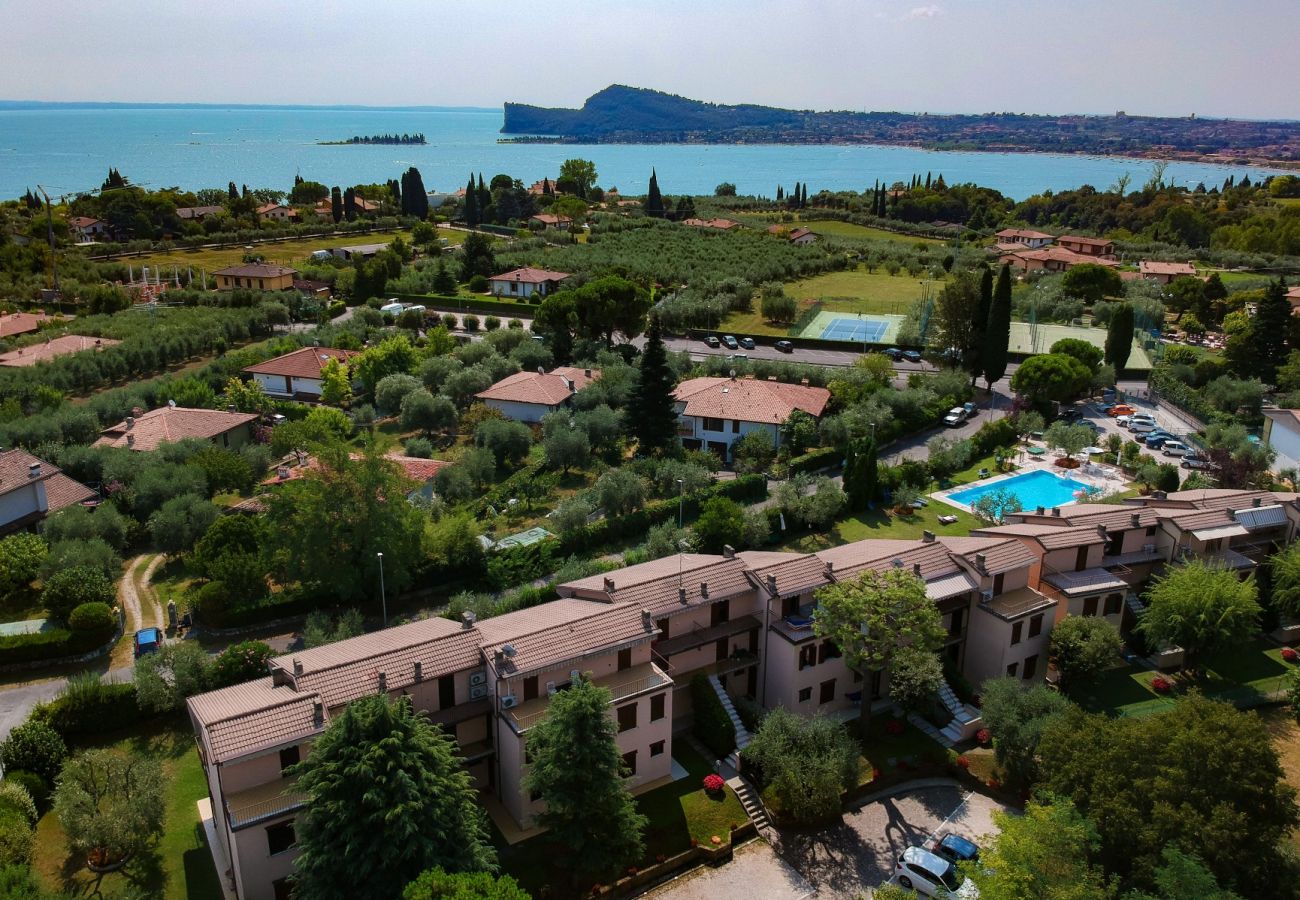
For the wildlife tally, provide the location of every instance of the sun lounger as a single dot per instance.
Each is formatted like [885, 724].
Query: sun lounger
[947, 520]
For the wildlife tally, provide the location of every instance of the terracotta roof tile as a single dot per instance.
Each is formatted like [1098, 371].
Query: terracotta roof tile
[1049, 537]
[529, 275]
[600, 630]
[256, 715]
[795, 573]
[255, 270]
[59, 346]
[1155, 267]
[749, 400]
[13, 324]
[172, 423]
[1000, 554]
[62, 491]
[308, 362]
[543, 389]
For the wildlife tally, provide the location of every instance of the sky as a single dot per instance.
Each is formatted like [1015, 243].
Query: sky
[1214, 58]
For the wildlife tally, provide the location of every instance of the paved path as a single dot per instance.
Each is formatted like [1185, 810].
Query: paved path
[754, 873]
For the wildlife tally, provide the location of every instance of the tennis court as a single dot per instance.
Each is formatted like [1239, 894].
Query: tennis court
[1029, 339]
[855, 327]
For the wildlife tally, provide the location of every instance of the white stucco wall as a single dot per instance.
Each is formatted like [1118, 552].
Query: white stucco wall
[520, 412]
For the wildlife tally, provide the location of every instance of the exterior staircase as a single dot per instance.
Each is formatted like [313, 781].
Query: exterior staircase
[929, 730]
[743, 736]
[966, 720]
[748, 798]
[1136, 606]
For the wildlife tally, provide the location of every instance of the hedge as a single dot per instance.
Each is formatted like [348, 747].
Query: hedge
[711, 724]
[1187, 398]
[91, 709]
[55, 643]
[445, 303]
[745, 489]
[276, 606]
[816, 460]
[993, 436]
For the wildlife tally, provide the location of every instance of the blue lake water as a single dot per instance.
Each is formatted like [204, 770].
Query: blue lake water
[68, 149]
[1032, 489]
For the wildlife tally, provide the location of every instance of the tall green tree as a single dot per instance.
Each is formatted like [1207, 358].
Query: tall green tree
[1017, 717]
[973, 360]
[861, 476]
[110, 804]
[472, 214]
[1048, 853]
[1202, 608]
[871, 616]
[654, 201]
[577, 176]
[387, 798]
[1268, 332]
[1183, 875]
[578, 773]
[997, 335]
[1082, 648]
[655, 424]
[476, 257]
[953, 322]
[1119, 337]
[415, 202]
[611, 305]
[336, 203]
[806, 763]
[557, 319]
[350, 204]
[1050, 377]
[1284, 581]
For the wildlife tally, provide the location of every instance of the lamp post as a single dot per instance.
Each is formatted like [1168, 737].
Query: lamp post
[681, 500]
[383, 598]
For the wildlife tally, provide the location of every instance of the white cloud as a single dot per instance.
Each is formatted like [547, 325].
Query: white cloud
[924, 12]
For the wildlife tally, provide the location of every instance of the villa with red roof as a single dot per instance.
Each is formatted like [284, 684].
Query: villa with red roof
[714, 413]
[550, 220]
[169, 424]
[1165, 272]
[16, 323]
[1030, 239]
[31, 489]
[297, 375]
[55, 347]
[528, 396]
[526, 282]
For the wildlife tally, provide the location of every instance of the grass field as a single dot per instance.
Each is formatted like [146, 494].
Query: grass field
[179, 867]
[858, 290]
[880, 524]
[849, 230]
[1281, 725]
[1022, 341]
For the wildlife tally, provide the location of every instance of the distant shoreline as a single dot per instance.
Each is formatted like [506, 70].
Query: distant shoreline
[22, 105]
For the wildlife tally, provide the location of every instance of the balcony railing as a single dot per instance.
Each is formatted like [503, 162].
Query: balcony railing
[621, 685]
[265, 801]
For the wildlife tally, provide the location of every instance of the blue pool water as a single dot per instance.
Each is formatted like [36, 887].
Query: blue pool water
[1032, 489]
[855, 330]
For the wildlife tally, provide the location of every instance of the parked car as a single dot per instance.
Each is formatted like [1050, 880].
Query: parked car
[1141, 426]
[1121, 409]
[730, 342]
[970, 408]
[737, 356]
[930, 875]
[785, 346]
[1129, 421]
[712, 341]
[747, 343]
[1176, 448]
[893, 353]
[1196, 461]
[1156, 439]
[148, 640]
[912, 355]
[955, 417]
[955, 848]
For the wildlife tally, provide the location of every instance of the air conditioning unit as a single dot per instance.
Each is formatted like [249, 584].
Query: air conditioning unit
[477, 691]
[574, 674]
[1148, 548]
[509, 701]
[477, 677]
[550, 688]
[986, 596]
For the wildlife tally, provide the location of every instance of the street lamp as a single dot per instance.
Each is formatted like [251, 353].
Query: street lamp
[681, 499]
[383, 597]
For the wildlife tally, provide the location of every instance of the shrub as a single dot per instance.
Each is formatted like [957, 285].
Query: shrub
[93, 618]
[515, 323]
[13, 795]
[71, 588]
[712, 725]
[479, 284]
[16, 838]
[714, 783]
[93, 553]
[1161, 685]
[491, 323]
[90, 706]
[34, 747]
[421, 448]
[33, 784]
[470, 321]
[1290, 654]
[805, 763]
[449, 321]
[241, 662]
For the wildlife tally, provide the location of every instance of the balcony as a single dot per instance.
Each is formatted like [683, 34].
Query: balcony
[266, 801]
[726, 666]
[702, 635]
[622, 685]
[461, 712]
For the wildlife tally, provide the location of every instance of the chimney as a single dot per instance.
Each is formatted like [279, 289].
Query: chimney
[419, 671]
[317, 714]
[728, 551]
[1255, 504]
[803, 381]
[541, 370]
[927, 537]
[704, 590]
[297, 667]
[1101, 530]
[467, 619]
[981, 561]
[1135, 520]
[586, 372]
[609, 585]
[681, 595]
[1040, 511]
[130, 440]
[771, 585]
[916, 569]
[771, 378]
[1056, 511]
[498, 658]
[830, 568]
[383, 682]
[130, 422]
[647, 623]
[1160, 495]
[573, 385]
[34, 470]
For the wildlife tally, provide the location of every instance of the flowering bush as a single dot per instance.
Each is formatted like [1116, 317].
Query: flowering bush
[995, 784]
[983, 737]
[713, 783]
[894, 726]
[1290, 654]
[1161, 685]
[963, 762]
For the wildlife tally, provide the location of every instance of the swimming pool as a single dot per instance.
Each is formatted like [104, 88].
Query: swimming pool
[1032, 489]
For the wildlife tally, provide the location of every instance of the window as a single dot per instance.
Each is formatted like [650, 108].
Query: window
[1081, 559]
[720, 612]
[289, 756]
[1112, 604]
[827, 650]
[955, 622]
[827, 692]
[713, 424]
[998, 581]
[629, 763]
[1036, 625]
[789, 606]
[1090, 606]
[625, 659]
[664, 630]
[657, 748]
[1016, 630]
[1031, 666]
[446, 692]
[279, 838]
[735, 426]
[626, 718]
[1011, 670]
[530, 688]
[805, 694]
[807, 656]
[1151, 531]
[657, 705]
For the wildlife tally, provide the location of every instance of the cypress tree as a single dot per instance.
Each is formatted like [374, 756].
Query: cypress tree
[974, 360]
[484, 197]
[547, 190]
[780, 193]
[654, 422]
[654, 201]
[939, 184]
[1119, 338]
[1268, 332]
[997, 337]
[861, 478]
[350, 204]
[233, 191]
[803, 202]
[415, 201]
[336, 204]
[471, 203]
[927, 181]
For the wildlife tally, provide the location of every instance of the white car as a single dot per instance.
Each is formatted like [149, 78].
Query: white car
[930, 875]
[1175, 448]
[1142, 426]
[955, 417]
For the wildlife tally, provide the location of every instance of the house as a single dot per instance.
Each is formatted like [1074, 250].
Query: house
[297, 375]
[277, 212]
[1282, 433]
[1031, 239]
[359, 251]
[526, 282]
[1293, 295]
[88, 229]
[197, 213]
[18, 323]
[53, 348]
[713, 413]
[258, 276]
[1051, 259]
[528, 396]
[1165, 272]
[169, 424]
[31, 489]
[715, 224]
[319, 290]
[1087, 246]
[802, 237]
[438, 198]
[548, 220]
[545, 186]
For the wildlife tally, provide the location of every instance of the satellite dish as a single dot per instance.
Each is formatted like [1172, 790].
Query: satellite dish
[171, 404]
[508, 650]
[733, 373]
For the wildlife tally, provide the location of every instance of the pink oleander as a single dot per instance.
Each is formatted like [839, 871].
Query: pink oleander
[713, 783]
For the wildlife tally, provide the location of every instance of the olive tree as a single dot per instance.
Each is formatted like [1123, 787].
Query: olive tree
[110, 804]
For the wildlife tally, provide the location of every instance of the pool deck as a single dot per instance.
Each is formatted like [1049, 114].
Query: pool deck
[1107, 479]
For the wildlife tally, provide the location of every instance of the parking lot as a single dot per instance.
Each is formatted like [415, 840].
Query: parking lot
[1165, 421]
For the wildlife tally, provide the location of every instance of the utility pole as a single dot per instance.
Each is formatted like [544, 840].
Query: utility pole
[383, 597]
[49, 230]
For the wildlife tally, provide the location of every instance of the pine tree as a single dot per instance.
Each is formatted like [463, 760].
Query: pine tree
[1119, 338]
[365, 831]
[997, 337]
[336, 204]
[654, 421]
[1268, 331]
[654, 201]
[578, 772]
[471, 204]
[974, 360]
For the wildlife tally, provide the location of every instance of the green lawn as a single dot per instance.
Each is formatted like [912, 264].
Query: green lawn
[892, 753]
[179, 866]
[287, 253]
[858, 290]
[880, 524]
[677, 813]
[849, 230]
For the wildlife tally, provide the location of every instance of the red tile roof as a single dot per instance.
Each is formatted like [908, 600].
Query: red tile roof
[256, 270]
[416, 468]
[543, 389]
[1084, 241]
[12, 324]
[59, 346]
[529, 275]
[82, 221]
[749, 400]
[550, 219]
[256, 715]
[172, 423]
[1025, 235]
[1155, 267]
[308, 362]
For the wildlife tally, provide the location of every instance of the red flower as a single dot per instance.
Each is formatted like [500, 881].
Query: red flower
[1161, 685]
[894, 726]
[963, 762]
[1290, 654]
[983, 737]
[713, 783]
